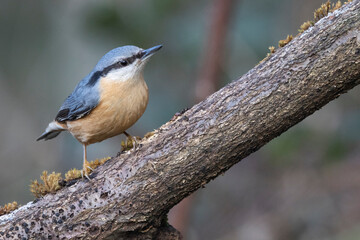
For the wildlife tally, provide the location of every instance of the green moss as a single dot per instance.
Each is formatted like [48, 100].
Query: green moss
[50, 184]
[319, 13]
[7, 208]
[285, 41]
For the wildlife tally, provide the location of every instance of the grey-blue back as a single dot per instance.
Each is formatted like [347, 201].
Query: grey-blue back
[86, 95]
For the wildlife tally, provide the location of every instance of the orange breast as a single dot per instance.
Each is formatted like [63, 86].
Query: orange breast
[121, 105]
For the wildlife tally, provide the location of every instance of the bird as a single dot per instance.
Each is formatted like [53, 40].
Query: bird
[108, 101]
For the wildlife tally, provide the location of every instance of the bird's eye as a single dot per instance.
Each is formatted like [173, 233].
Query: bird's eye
[123, 63]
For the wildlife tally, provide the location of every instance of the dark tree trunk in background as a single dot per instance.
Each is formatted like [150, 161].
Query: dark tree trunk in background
[213, 55]
[207, 83]
[131, 194]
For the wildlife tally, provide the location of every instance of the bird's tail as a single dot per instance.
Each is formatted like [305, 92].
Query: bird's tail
[53, 129]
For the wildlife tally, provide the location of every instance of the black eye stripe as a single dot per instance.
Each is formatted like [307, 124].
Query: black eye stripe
[130, 59]
[119, 64]
[140, 54]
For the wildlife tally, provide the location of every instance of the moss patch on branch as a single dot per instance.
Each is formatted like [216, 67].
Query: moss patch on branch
[319, 13]
[7, 208]
[282, 43]
[51, 182]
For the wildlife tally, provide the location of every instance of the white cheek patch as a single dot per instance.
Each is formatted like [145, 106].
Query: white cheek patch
[130, 72]
[122, 74]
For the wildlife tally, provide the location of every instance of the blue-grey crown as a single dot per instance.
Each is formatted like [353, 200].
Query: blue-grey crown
[115, 55]
[117, 58]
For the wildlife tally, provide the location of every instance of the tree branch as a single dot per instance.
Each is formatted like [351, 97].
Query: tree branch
[130, 195]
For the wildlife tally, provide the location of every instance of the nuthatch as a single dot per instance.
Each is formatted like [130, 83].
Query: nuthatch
[107, 101]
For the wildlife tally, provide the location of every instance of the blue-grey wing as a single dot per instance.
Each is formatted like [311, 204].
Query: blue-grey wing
[79, 104]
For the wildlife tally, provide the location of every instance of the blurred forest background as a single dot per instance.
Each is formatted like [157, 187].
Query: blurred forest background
[303, 185]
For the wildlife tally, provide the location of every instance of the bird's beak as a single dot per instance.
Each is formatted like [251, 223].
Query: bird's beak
[150, 51]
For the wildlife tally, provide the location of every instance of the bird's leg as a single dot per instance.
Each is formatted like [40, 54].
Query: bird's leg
[132, 140]
[86, 165]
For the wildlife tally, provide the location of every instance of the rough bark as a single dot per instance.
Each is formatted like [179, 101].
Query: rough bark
[130, 195]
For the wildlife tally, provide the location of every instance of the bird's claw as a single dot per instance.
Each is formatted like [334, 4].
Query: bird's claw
[133, 142]
[90, 168]
[85, 174]
[130, 143]
[86, 170]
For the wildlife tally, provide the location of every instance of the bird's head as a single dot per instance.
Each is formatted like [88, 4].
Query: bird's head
[124, 63]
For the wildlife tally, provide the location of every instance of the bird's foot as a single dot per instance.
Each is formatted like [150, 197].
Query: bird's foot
[130, 143]
[86, 170]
